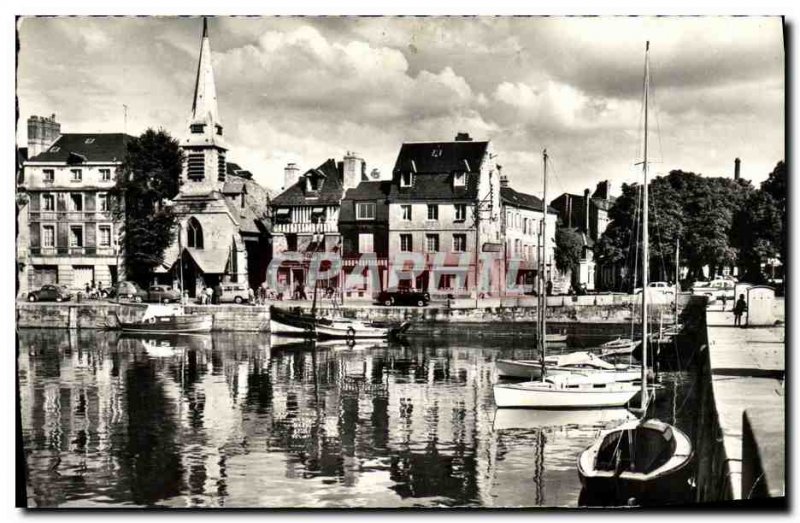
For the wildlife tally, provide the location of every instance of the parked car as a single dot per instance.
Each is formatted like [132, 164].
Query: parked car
[50, 292]
[715, 289]
[657, 287]
[163, 294]
[234, 292]
[128, 290]
[404, 297]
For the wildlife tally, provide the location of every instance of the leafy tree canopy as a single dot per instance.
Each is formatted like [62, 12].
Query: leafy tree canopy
[569, 248]
[150, 178]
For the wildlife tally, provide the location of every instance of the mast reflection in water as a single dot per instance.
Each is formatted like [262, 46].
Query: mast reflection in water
[226, 420]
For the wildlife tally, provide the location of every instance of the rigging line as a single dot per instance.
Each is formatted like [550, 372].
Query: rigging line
[660, 241]
[658, 118]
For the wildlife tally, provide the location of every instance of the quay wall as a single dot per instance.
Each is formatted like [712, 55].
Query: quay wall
[567, 315]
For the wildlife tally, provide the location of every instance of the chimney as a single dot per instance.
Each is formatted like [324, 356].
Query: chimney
[587, 200]
[290, 175]
[463, 137]
[503, 177]
[737, 164]
[353, 169]
[43, 131]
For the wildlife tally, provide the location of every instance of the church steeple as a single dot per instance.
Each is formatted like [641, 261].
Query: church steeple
[204, 104]
[205, 168]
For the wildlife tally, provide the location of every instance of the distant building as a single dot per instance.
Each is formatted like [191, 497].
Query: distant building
[305, 216]
[589, 215]
[72, 238]
[444, 204]
[223, 236]
[522, 228]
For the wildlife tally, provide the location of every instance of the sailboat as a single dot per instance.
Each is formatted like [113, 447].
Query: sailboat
[560, 390]
[643, 459]
[574, 362]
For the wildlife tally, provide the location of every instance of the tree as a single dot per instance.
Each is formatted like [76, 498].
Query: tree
[150, 178]
[683, 205]
[776, 187]
[569, 249]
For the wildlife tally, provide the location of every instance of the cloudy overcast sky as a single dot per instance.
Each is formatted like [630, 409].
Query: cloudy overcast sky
[308, 89]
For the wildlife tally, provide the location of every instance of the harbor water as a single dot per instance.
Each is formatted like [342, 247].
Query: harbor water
[249, 420]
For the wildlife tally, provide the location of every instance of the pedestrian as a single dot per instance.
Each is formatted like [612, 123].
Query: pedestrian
[251, 296]
[739, 309]
[262, 293]
[549, 287]
[724, 300]
[217, 294]
[209, 295]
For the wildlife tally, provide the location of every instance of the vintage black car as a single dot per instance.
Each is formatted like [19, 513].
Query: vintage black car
[50, 293]
[404, 297]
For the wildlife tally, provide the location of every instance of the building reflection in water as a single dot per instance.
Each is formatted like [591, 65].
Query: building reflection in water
[232, 420]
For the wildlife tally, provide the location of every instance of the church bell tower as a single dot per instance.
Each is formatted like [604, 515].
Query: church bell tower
[204, 167]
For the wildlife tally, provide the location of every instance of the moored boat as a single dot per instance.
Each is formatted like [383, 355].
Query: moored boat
[291, 323]
[645, 460]
[166, 319]
[582, 362]
[564, 391]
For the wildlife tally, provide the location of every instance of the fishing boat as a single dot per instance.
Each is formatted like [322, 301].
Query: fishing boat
[562, 389]
[581, 362]
[168, 319]
[295, 323]
[648, 459]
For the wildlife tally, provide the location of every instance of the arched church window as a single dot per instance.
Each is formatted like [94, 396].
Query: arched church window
[194, 234]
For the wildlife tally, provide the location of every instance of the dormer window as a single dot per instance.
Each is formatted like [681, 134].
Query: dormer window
[459, 179]
[77, 175]
[406, 179]
[312, 184]
[198, 128]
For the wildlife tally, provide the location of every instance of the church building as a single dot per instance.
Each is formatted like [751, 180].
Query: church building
[223, 235]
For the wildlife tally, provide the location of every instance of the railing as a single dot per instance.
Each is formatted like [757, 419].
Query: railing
[73, 251]
[69, 216]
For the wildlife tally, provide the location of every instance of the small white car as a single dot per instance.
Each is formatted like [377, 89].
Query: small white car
[715, 289]
[657, 287]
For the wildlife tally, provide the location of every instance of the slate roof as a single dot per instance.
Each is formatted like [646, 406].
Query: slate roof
[330, 191]
[521, 199]
[103, 147]
[369, 190]
[235, 187]
[440, 157]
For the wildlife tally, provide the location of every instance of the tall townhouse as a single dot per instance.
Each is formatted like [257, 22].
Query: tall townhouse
[444, 205]
[73, 238]
[523, 215]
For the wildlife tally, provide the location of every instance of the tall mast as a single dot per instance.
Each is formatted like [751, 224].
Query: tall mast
[677, 275]
[645, 232]
[542, 282]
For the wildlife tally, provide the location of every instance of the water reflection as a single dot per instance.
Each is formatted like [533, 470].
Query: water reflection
[238, 419]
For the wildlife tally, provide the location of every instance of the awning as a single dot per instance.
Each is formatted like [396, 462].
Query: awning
[210, 261]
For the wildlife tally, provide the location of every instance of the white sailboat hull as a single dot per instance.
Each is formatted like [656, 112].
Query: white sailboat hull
[532, 370]
[543, 395]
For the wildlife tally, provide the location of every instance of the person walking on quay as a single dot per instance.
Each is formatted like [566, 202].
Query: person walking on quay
[217, 294]
[262, 293]
[251, 296]
[209, 295]
[549, 288]
[739, 309]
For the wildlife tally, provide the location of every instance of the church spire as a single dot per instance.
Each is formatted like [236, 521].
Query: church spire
[204, 105]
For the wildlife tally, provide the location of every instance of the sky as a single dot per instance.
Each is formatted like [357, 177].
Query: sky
[305, 89]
